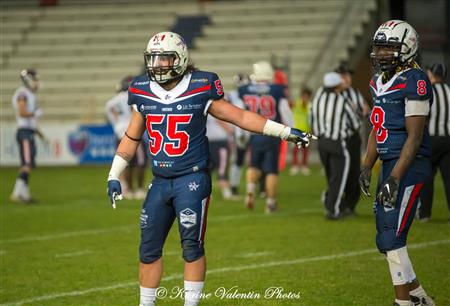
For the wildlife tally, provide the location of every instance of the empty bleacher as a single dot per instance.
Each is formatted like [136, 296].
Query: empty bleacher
[83, 48]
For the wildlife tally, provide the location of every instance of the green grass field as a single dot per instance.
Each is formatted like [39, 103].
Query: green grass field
[73, 249]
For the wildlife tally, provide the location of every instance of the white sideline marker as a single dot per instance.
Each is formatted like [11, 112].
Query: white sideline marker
[220, 270]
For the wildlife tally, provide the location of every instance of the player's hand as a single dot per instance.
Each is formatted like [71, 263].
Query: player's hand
[388, 192]
[114, 192]
[300, 138]
[38, 113]
[364, 180]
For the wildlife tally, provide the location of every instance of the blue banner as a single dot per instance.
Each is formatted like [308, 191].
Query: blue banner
[93, 144]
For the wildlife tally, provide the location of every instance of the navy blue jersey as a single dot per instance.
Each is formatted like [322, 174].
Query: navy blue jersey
[264, 99]
[388, 114]
[176, 121]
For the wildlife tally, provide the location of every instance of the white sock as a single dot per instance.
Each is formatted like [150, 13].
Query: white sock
[192, 292]
[251, 188]
[404, 302]
[271, 202]
[419, 292]
[226, 193]
[235, 175]
[148, 296]
[17, 187]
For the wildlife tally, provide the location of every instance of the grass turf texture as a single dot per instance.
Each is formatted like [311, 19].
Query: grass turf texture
[73, 249]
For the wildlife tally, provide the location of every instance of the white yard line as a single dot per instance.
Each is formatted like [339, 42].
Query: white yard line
[73, 254]
[135, 227]
[254, 254]
[66, 235]
[222, 270]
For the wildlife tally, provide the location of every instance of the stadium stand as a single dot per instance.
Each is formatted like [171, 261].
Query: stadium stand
[82, 48]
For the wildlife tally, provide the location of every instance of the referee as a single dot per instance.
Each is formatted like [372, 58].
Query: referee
[354, 142]
[439, 128]
[334, 121]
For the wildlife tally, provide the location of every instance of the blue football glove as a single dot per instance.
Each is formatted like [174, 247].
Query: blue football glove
[300, 138]
[388, 192]
[114, 192]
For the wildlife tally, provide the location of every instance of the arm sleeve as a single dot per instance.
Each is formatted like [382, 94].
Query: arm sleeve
[418, 94]
[215, 92]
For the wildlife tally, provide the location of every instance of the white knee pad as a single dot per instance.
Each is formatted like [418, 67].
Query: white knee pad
[400, 266]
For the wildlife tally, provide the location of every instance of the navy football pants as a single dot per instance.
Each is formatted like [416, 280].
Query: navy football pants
[185, 198]
[393, 223]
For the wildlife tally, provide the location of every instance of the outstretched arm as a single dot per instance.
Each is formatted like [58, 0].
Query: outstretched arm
[247, 120]
[256, 123]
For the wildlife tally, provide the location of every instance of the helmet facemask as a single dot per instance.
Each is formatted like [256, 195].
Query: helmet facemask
[385, 56]
[162, 67]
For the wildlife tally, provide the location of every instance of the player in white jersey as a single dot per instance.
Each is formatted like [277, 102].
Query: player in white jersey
[118, 113]
[219, 134]
[241, 137]
[27, 112]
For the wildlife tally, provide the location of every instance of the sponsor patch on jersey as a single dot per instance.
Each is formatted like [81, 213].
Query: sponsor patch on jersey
[166, 109]
[203, 80]
[146, 107]
[163, 164]
[188, 218]
[189, 106]
[142, 83]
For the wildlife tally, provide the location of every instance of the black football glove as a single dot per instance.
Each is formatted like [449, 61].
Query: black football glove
[364, 180]
[388, 192]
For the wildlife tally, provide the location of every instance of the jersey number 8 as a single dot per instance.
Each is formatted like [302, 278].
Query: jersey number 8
[377, 118]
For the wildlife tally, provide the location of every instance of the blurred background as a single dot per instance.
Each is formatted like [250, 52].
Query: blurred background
[82, 48]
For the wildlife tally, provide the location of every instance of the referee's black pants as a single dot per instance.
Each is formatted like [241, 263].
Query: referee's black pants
[352, 190]
[440, 160]
[336, 159]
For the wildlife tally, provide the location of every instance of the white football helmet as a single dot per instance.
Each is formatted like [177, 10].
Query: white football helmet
[30, 78]
[262, 71]
[166, 57]
[394, 44]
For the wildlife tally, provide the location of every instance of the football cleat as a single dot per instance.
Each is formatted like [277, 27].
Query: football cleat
[422, 301]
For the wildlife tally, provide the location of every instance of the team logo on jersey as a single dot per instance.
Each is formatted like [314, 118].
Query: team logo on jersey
[188, 218]
[193, 186]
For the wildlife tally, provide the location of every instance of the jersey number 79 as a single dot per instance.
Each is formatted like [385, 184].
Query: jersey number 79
[178, 142]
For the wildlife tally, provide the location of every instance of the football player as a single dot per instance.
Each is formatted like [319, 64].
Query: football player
[171, 102]
[269, 100]
[402, 97]
[118, 113]
[28, 112]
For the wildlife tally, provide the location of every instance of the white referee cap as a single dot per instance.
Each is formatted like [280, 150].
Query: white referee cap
[332, 79]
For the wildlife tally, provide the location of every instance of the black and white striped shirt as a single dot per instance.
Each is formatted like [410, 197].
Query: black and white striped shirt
[440, 111]
[333, 116]
[355, 96]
